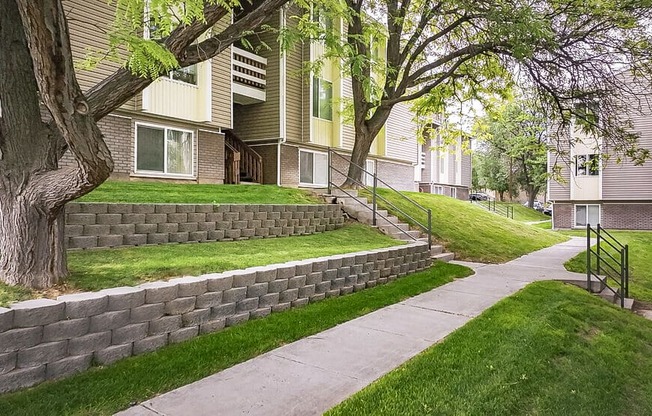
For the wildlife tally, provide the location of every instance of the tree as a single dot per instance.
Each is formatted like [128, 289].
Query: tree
[38, 73]
[567, 51]
[514, 135]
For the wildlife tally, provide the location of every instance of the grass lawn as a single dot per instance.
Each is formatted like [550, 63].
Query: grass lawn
[548, 350]
[640, 261]
[543, 225]
[100, 269]
[107, 390]
[472, 232]
[151, 192]
[522, 213]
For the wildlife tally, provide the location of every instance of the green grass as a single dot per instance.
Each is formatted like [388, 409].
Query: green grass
[548, 350]
[151, 192]
[640, 261]
[100, 269]
[107, 390]
[543, 225]
[522, 213]
[472, 232]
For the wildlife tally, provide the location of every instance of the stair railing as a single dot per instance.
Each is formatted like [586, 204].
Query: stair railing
[506, 210]
[251, 163]
[232, 164]
[427, 229]
[612, 262]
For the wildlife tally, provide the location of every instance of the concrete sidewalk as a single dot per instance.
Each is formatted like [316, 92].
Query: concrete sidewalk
[313, 374]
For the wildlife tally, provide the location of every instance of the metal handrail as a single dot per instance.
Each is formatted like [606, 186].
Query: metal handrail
[413, 202]
[375, 195]
[623, 263]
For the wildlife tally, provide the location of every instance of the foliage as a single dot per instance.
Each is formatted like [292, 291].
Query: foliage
[440, 53]
[550, 349]
[106, 390]
[515, 149]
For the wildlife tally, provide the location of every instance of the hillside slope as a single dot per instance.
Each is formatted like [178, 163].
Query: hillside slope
[470, 231]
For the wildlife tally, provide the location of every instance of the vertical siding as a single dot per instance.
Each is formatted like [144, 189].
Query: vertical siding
[559, 190]
[348, 131]
[222, 97]
[262, 120]
[401, 134]
[88, 20]
[467, 168]
[306, 105]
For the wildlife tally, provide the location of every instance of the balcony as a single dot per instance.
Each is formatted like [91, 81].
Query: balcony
[248, 74]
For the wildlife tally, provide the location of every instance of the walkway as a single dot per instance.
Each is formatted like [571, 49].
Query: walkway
[312, 375]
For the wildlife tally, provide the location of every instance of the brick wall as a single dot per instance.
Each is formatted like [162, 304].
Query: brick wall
[562, 215]
[90, 225]
[48, 339]
[211, 157]
[119, 138]
[289, 166]
[398, 176]
[627, 216]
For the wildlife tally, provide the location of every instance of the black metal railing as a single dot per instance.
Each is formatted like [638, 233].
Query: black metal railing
[375, 196]
[506, 210]
[611, 266]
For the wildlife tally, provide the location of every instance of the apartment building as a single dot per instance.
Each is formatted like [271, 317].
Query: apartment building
[445, 169]
[592, 191]
[248, 116]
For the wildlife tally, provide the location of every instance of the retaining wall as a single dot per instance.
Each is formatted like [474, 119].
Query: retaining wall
[90, 225]
[48, 339]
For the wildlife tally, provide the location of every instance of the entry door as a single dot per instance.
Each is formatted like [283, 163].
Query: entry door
[370, 166]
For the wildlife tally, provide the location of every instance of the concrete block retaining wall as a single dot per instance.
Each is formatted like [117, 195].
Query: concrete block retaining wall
[90, 225]
[48, 339]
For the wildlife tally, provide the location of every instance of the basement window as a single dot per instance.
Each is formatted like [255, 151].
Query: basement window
[587, 214]
[313, 168]
[163, 150]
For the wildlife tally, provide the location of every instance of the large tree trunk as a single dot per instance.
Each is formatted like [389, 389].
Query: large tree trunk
[32, 243]
[361, 146]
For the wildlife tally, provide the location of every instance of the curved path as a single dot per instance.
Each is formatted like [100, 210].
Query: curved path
[313, 374]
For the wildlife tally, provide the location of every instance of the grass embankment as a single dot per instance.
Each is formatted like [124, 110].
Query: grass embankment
[100, 269]
[472, 232]
[151, 192]
[640, 261]
[107, 390]
[548, 350]
[523, 213]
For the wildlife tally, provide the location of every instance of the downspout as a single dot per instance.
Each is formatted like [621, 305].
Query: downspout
[282, 101]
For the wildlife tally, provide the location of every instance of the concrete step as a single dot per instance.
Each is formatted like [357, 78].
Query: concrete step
[436, 249]
[339, 192]
[608, 295]
[404, 236]
[445, 257]
[629, 303]
[596, 285]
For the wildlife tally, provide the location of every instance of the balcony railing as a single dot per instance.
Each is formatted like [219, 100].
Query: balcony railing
[249, 74]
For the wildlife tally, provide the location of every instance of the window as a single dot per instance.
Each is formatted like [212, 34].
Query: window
[438, 189]
[587, 214]
[324, 20]
[587, 165]
[187, 74]
[163, 150]
[453, 192]
[322, 99]
[313, 168]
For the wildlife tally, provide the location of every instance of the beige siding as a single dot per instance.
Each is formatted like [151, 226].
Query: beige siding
[401, 134]
[294, 99]
[306, 104]
[559, 190]
[222, 105]
[88, 21]
[262, 120]
[466, 169]
[348, 131]
[625, 181]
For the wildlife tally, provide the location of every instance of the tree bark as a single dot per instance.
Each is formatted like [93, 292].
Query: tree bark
[361, 146]
[32, 243]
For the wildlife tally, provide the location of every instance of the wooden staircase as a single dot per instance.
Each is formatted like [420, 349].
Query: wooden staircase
[241, 162]
[359, 208]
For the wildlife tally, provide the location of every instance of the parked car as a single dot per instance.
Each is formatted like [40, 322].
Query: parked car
[548, 210]
[478, 196]
[537, 206]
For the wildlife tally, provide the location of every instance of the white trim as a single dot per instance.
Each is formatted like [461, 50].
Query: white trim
[282, 81]
[218, 131]
[587, 214]
[119, 116]
[164, 174]
[307, 184]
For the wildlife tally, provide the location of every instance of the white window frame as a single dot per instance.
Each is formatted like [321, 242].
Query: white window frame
[587, 165]
[587, 214]
[308, 184]
[164, 174]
